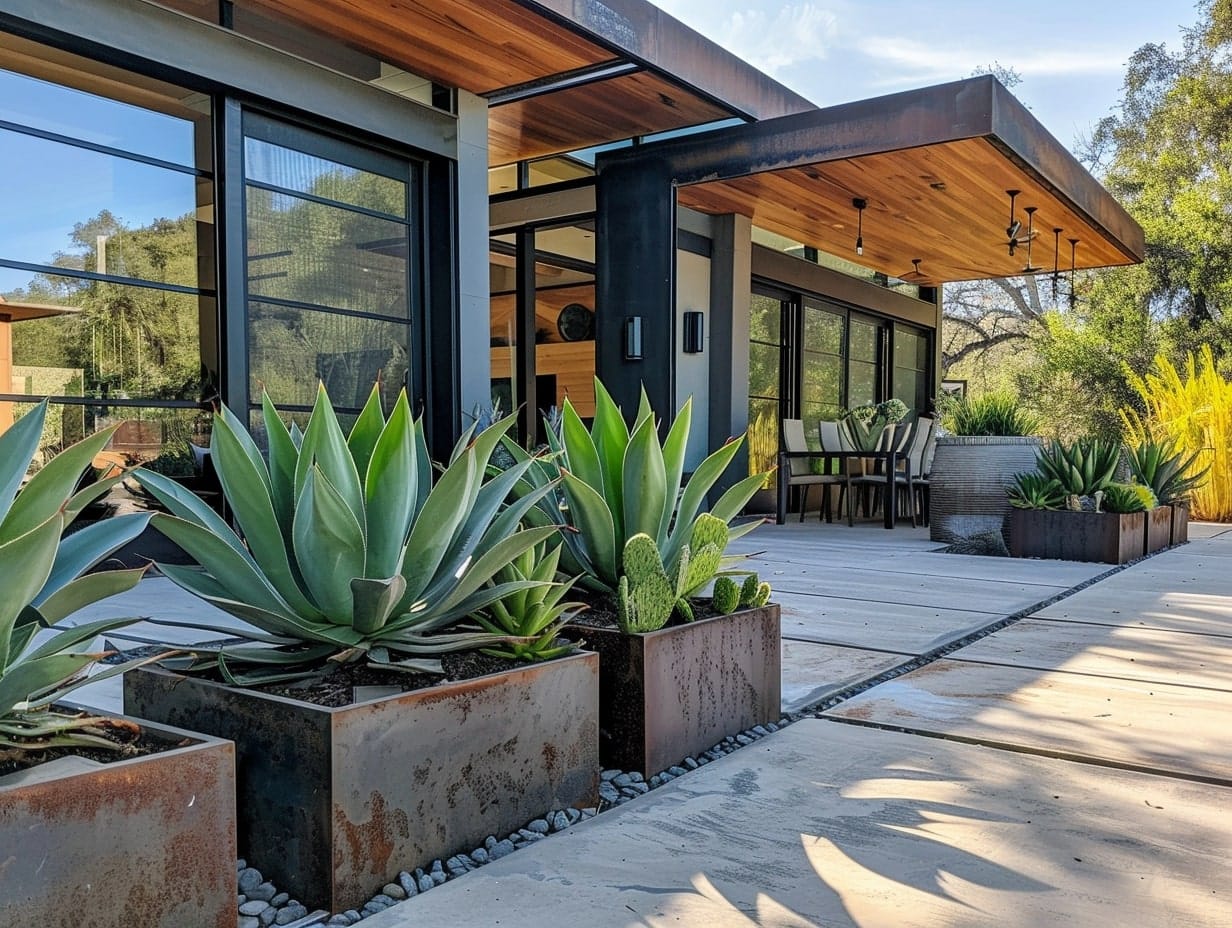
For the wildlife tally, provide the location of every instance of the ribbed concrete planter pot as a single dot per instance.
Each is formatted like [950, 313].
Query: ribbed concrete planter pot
[968, 483]
[1180, 523]
[146, 841]
[1104, 537]
[1158, 533]
[334, 802]
[675, 692]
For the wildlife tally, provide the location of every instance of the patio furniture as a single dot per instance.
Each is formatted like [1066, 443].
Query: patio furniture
[912, 480]
[886, 462]
[894, 438]
[796, 470]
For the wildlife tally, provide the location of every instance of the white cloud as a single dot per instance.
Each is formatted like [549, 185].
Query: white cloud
[772, 40]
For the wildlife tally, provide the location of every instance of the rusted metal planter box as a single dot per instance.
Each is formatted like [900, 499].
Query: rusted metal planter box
[334, 802]
[1180, 523]
[1106, 537]
[1158, 534]
[146, 841]
[668, 694]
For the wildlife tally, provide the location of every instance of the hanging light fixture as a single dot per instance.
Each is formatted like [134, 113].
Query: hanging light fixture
[1012, 230]
[1056, 256]
[859, 203]
[1030, 211]
[1073, 261]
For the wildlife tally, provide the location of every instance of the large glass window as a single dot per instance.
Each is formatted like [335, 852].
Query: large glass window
[329, 267]
[863, 361]
[912, 383]
[765, 381]
[564, 322]
[106, 253]
[821, 367]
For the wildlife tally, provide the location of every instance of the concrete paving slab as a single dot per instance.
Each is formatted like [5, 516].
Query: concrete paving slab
[811, 672]
[1203, 530]
[833, 825]
[1156, 727]
[157, 597]
[987, 596]
[1109, 604]
[1128, 652]
[876, 625]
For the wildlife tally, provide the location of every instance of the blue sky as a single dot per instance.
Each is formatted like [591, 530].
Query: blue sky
[1071, 55]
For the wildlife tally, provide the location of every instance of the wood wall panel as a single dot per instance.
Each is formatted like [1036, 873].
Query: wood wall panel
[573, 363]
[604, 111]
[945, 204]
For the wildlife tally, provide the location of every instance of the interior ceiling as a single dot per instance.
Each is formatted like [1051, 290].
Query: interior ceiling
[591, 114]
[944, 204]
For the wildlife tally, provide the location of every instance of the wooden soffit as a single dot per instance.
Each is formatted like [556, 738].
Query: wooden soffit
[604, 111]
[934, 166]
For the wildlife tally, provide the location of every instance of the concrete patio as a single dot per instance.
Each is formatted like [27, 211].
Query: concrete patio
[1069, 768]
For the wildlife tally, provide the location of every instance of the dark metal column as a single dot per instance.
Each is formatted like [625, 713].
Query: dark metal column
[635, 269]
[524, 325]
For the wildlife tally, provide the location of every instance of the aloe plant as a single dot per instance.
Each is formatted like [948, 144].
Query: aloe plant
[617, 482]
[1167, 471]
[1082, 468]
[346, 548]
[531, 618]
[43, 579]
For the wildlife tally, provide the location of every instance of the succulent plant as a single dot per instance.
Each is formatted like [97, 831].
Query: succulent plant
[1169, 474]
[1128, 497]
[531, 618]
[44, 580]
[616, 483]
[346, 548]
[1082, 468]
[726, 595]
[753, 593]
[1033, 490]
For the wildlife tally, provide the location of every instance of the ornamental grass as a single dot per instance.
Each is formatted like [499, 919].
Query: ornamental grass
[1193, 409]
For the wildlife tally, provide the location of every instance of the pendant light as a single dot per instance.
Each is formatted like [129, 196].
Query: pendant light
[859, 203]
[1056, 257]
[1073, 261]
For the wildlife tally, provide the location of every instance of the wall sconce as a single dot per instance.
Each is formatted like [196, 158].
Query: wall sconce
[633, 338]
[694, 332]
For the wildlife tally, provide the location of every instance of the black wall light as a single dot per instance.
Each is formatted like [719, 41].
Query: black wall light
[633, 338]
[694, 332]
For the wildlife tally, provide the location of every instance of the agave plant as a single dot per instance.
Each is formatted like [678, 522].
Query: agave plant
[1169, 474]
[1082, 468]
[531, 618]
[1033, 490]
[346, 548]
[43, 579]
[617, 482]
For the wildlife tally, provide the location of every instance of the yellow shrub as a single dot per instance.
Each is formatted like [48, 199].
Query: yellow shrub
[1195, 411]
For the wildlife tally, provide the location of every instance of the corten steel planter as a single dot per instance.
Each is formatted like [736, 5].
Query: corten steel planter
[668, 694]
[1105, 537]
[970, 474]
[1158, 533]
[334, 802]
[146, 841]
[1180, 523]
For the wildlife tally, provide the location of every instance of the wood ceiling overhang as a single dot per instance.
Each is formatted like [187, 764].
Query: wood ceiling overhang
[933, 165]
[523, 54]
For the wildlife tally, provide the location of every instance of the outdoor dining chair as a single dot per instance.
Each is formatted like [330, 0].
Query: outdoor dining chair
[800, 470]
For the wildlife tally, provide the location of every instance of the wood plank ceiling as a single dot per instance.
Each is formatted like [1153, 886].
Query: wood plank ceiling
[604, 111]
[944, 204]
[487, 46]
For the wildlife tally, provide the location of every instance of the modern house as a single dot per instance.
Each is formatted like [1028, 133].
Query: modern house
[493, 198]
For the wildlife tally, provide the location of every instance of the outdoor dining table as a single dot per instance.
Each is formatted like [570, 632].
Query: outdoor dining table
[890, 459]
